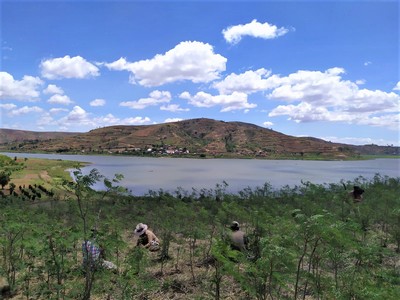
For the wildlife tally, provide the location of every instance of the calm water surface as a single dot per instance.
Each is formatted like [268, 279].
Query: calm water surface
[142, 174]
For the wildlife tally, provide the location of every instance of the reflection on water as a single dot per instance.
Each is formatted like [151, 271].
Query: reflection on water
[142, 174]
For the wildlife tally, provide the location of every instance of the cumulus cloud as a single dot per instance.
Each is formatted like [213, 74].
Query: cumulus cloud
[391, 121]
[325, 96]
[24, 110]
[54, 111]
[80, 118]
[173, 108]
[75, 116]
[45, 120]
[234, 34]
[248, 82]
[358, 140]
[135, 121]
[97, 102]
[234, 101]
[60, 99]
[170, 120]
[193, 61]
[119, 65]
[53, 89]
[311, 86]
[303, 112]
[268, 124]
[397, 87]
[68, 67]
[24, 90]
[156, 98]
[8, 106]
[360, 81]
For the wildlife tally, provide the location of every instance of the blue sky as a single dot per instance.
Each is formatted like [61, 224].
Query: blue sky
[327, 69]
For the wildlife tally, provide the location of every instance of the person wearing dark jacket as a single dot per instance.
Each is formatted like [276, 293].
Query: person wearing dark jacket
[356, 194]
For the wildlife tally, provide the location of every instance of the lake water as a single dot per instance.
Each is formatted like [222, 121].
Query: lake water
[142, 174]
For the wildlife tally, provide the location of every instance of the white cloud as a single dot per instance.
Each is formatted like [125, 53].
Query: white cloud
[397, 87]
[98, 102]
[24, 110]
[194, 61]
[55, 111]
[372, 101]
[6, 48]
[303, 112]
[358, 141]
[68, 67]
[80, 119]
[76, 116]
[45, 120]
[360, 81]
[60, 99]
[367, 63]
[268, 124]
[390, 121]
[109, 119]
[173, 108]
[311, 86]
[234, 34]
[53, 89]
[235, 101]
[325, 96]
[136, 121]
[119, 65]
[24, 90]
[156, 98]
[8, 106]
[248, 82]
[170, 120]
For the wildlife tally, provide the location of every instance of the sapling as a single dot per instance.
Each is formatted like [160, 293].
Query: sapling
[85, 198]
[12, 230]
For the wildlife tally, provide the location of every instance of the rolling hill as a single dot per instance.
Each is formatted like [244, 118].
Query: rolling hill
[202, 136]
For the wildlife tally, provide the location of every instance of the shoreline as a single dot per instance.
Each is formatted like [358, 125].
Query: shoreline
[199, 156]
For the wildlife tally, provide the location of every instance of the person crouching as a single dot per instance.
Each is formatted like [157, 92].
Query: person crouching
[146, 238]
[239, 240]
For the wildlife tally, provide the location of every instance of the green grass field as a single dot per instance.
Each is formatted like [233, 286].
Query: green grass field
[32, 171]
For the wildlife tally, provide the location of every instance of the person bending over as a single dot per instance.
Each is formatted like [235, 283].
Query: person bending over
[146, 237]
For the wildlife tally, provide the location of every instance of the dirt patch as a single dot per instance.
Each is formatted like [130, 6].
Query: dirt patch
[42, 177]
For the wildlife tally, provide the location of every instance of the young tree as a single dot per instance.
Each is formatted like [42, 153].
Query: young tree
[86, 197]
[4, 179]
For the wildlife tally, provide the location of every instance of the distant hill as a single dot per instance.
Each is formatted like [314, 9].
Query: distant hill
[12, 135]
[205, 137]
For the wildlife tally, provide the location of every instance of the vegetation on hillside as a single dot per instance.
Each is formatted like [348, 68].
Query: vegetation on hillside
[192, 138]
[28, 178]
[306, 242]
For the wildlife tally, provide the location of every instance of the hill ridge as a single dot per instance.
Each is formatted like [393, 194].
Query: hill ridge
[199, 136]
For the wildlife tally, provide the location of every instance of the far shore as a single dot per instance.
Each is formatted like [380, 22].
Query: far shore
[205, 156]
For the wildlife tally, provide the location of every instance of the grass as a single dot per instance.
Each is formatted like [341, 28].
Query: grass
[196, 224]
[379, 156]
[43, 171]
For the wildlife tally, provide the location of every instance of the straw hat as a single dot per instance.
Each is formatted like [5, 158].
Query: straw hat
[140, 229]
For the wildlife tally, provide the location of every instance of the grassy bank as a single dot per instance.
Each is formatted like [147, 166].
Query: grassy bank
[36, 171]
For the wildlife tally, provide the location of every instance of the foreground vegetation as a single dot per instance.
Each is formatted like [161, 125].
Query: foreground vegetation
[306, 242]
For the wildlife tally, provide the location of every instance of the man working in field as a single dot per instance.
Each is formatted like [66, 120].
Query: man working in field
[356, 194]
[146, 237]
[94, 255]
[239, 239]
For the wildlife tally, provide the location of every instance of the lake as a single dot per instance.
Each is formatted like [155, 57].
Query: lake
[142, 174]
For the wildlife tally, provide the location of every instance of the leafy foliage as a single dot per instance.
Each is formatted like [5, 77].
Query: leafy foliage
[307, 241]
